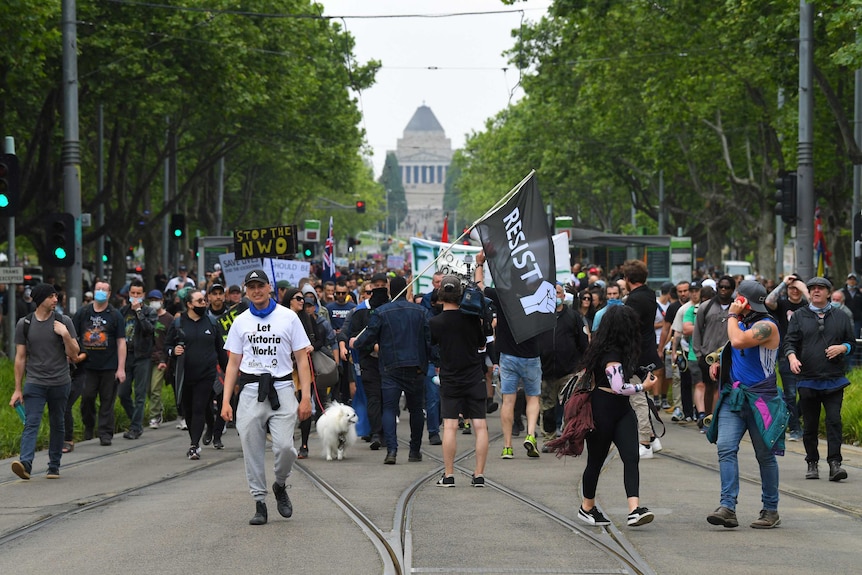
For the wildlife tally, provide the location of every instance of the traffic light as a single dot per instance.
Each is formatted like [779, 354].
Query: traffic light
[60, 243]
[785, 197]
[178, 226]
[10, 185]
[360, 207]
[106, 255]
[352, 242]
[308, 250]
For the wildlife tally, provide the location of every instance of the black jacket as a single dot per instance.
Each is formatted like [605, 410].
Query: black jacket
[563, 346]
[809, 343]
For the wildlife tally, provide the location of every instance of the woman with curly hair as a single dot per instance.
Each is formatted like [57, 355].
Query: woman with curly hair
[612, 358]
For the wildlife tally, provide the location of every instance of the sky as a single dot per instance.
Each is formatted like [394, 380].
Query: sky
[467, 86]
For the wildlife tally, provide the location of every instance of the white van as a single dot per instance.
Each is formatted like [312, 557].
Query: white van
[736, 267]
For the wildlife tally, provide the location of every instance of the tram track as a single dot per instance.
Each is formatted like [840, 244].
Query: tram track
[396, 546]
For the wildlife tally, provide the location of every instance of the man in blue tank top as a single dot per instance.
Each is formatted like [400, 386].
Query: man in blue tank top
[749, 401]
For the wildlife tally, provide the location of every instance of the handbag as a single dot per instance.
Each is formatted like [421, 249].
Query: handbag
[325, 369]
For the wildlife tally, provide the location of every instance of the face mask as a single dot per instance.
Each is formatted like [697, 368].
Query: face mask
[136, 300]
[559, 301]
[200, 309]
[156, 305]
[379, 296]
[100, 296]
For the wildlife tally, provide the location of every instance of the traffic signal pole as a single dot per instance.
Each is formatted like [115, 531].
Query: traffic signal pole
[11, 319]
[71, 153]
[805, 145]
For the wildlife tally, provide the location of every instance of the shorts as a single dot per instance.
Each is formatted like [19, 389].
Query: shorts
[526, 371]
[469, 407]
[694, 370]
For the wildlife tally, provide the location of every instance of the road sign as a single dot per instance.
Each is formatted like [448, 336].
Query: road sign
[12, 275]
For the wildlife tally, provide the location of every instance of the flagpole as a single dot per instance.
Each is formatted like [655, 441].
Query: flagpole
[500, 203]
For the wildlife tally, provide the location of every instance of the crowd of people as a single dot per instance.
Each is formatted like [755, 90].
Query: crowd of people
[705, 351]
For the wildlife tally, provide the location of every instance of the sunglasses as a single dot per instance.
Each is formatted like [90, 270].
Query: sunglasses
[725, 286]
[338, 293]
[586, 298]
[298, 298]
[369, 293]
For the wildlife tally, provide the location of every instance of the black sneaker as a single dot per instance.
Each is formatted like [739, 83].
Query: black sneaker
[445, 481]
[390, 458]
[593, 516]
[260, 515]
[285, 507]
[217, 444]
[133, 434]
[414, 456]
[478, 481]
[21, 469]
[434, 439]
[375, 443]
[194, 453]
[208, 436]
[88, 434]
[53, 473]
[303, 452]
[812, 472]
[490, 405]
[640, 516]
[836, 472]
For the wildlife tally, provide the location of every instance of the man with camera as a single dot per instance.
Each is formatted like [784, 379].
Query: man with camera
[460, 336]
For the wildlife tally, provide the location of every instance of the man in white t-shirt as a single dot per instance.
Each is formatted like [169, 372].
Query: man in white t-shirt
[260, 341]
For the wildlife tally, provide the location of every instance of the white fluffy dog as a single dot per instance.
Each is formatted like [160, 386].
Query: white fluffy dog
[337, 430]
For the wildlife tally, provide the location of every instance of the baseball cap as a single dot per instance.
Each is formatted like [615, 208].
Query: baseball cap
[282, 284]
[256, 276]
[450, 283]
[234, 289]
[816, 281]
[708, 282]
[216, 286]
[695, 284]
[379, 277]
[155, 294]
[754, 292]
[183, 268]
[851, 275]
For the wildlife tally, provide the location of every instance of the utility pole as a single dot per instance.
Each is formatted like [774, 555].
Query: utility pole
[71, 153]
[805, 145]
[857, 168]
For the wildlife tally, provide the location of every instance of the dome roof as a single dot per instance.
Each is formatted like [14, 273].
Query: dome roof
[423, 121]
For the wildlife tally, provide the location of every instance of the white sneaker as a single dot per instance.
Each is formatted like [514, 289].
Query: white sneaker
[656, 445]
[154, 423]
[645, 452]
[182, 424]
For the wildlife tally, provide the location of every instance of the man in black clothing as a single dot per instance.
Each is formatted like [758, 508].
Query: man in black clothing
[853, 300]
[562, 349]
[140, 323]
[642, 299]
[818, 339]
[783, 308]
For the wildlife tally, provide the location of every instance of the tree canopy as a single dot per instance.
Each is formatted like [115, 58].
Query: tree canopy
[619, 92]
[266, 87]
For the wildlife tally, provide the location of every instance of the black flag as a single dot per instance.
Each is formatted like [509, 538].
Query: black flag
[519, 249]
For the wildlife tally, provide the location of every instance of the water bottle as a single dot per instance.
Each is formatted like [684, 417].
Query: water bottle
[19, 407]
[435, 380]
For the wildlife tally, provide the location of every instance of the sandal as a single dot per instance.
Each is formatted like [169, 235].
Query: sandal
[68, 446]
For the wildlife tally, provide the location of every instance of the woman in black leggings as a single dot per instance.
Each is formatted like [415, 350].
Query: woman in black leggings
[612, 357]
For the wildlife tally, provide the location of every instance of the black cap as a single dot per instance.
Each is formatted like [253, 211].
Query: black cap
[256, 276]
[695, 284]
[183, 268]
[379, 277]
[216, 287]
[234, 289]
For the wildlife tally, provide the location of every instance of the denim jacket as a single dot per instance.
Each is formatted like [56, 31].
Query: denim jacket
[401, 329]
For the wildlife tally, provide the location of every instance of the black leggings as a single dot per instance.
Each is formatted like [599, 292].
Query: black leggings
[305, 424]
[615, 422]
[196, 401]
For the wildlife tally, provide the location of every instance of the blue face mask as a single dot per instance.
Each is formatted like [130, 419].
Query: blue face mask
[100, 296]
[559, 301]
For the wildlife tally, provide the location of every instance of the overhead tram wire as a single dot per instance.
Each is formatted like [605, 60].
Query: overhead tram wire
[314, 16]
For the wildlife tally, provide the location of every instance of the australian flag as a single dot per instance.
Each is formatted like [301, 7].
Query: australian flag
[520, 252]
[328, 273]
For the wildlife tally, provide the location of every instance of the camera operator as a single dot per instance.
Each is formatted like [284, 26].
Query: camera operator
[460, 336]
